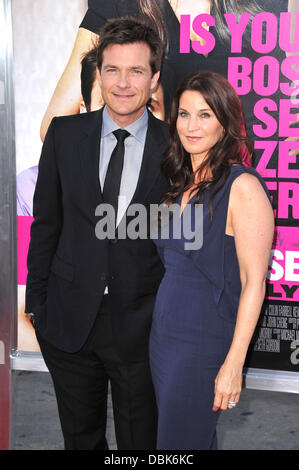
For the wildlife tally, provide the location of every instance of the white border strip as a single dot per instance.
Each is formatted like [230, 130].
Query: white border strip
[28, 361]
[259, 379]
[272, 380]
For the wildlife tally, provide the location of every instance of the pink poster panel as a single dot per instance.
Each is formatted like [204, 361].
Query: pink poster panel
[283, 275]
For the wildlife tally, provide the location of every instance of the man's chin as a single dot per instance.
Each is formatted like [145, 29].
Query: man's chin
[123, 111]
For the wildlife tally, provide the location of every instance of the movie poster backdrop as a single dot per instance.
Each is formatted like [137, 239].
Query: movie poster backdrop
[43, 36]
[261, 61]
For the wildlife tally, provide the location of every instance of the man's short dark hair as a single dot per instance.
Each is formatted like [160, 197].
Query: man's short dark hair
[88, 76]
[129, 31]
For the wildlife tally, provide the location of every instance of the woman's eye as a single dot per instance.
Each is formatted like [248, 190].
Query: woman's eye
[183, 114]
[205, 115]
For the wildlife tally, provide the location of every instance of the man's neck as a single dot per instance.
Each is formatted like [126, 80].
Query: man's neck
[125, 120]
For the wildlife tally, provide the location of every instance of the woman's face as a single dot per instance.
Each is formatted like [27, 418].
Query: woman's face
[197, 126]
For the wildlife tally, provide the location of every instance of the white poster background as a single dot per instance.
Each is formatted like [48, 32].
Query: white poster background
[44, 32]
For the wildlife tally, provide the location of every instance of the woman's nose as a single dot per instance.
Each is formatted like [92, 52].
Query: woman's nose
[193, 123]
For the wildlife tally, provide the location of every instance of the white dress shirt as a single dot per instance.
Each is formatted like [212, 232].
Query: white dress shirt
[134, 147]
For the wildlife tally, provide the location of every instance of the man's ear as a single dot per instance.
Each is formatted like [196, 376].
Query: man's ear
[82, 107]
[154, 80]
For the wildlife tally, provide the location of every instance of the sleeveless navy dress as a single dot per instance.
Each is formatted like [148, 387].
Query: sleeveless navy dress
[193, 325]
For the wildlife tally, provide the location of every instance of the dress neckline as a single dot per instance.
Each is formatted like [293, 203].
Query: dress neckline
[180, 202]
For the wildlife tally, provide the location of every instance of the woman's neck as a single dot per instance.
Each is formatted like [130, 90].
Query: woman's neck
[200, 175]
[196, 161]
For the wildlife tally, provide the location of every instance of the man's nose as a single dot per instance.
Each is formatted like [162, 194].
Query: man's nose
[123, 80]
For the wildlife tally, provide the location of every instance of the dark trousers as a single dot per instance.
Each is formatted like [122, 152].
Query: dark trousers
[81, 386]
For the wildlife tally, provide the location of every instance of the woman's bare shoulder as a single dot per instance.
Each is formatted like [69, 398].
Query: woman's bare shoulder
[247, 184]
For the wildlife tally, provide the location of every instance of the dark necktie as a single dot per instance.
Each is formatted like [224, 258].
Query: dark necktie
[114, 171]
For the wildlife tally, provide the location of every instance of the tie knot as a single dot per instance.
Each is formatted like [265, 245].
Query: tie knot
[121, 135]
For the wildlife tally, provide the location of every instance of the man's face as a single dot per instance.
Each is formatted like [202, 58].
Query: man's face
[126, 81]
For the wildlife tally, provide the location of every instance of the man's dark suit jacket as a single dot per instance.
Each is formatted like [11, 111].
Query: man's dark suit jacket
[68, 266]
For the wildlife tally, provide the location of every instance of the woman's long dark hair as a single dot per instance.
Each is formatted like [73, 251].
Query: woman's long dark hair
[153, 10]
[233, 148]
[237, 7]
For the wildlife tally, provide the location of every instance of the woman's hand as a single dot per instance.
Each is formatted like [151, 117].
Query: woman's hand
[228, 385]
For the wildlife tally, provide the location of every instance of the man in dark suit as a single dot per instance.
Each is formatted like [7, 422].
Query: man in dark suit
[92, 299]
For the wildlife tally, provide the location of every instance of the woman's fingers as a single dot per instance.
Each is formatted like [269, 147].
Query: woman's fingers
[223, 400]
[233, 399]
[228, 386]
[217, 402]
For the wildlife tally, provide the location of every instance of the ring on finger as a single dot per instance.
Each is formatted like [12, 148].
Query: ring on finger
[232, 403]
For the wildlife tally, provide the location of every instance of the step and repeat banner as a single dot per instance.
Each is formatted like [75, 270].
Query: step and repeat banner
[255, 45]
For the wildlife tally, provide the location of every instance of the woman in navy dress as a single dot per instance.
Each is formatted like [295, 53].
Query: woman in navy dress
[210, 298]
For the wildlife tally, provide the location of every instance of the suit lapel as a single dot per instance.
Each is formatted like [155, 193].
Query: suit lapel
[151, 160]
[89, 155]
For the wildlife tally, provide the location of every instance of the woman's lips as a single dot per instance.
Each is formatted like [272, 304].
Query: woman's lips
[193, 138]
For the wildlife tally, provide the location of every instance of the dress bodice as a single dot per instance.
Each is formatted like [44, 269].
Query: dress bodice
[215, 260]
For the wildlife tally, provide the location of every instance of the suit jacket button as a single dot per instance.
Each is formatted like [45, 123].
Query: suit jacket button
[103, 277]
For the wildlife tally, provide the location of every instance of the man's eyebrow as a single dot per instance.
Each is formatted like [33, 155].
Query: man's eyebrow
[138, 67]
[111, 66]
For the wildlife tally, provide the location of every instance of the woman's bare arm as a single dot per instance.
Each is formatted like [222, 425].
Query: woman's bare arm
[67, 95]
[252, 223]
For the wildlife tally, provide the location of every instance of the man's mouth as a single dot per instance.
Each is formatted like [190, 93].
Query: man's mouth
[123, 96]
